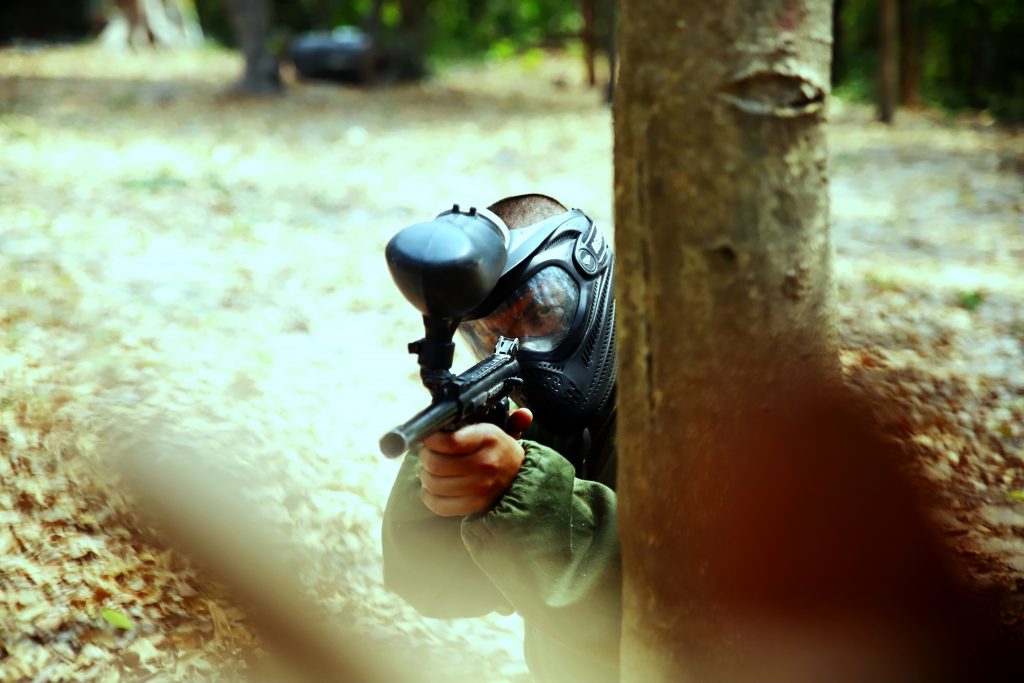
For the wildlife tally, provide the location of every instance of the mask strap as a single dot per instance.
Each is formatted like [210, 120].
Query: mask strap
[497, 220]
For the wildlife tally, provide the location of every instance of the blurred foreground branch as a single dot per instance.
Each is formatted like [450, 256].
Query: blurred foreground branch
[206, 514]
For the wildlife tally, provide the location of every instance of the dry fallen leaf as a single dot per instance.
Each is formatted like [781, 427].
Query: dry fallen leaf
[145, 649]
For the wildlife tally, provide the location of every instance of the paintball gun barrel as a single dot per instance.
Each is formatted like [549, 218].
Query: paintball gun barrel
[480, 394]
[445, 268]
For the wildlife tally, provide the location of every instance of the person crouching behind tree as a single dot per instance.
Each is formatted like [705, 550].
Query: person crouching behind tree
[481, 520]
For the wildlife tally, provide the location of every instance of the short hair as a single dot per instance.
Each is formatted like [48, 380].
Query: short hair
[526, 209]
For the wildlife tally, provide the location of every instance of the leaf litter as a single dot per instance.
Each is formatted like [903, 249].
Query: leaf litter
[170, 255]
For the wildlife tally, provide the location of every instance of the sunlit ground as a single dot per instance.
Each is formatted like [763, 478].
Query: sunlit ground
[169, 255]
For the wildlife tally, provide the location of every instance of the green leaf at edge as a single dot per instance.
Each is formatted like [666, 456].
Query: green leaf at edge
[116, 619]
[1017, 495]
[971, 300]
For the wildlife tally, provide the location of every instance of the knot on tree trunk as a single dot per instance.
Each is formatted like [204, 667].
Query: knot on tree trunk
[774, 93]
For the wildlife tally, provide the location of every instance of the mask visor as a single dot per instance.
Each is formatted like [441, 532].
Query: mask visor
[539, 314]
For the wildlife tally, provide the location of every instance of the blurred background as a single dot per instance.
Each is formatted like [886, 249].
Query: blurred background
[194, 202]
[953, 54]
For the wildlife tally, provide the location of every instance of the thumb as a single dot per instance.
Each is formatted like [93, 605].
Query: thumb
[518, 421]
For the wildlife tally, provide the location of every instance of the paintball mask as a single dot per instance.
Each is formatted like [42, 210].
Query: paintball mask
[555, 295]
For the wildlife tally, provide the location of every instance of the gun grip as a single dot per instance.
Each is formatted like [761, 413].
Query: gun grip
[498, 415]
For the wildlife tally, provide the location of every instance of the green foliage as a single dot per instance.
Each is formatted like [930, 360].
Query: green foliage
[856, 86]
[116, 619]
[970, 56]
[457, 28]
[163, 179]
[970, 300]
[500, 27]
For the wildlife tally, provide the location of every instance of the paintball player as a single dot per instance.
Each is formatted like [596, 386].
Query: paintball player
[481, 520]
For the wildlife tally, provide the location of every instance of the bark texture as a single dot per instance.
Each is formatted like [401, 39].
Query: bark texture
[725, 292]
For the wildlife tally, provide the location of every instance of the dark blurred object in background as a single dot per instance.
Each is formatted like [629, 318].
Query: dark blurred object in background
[47, 20]
[117, 22]
[348, 55]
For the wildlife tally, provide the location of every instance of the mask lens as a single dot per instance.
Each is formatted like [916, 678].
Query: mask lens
[539, 314]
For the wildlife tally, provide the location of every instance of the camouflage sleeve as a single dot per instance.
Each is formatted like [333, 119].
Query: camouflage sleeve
[551, 547]
[425, 559]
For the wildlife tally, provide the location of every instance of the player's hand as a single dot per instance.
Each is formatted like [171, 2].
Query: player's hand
[467, 471]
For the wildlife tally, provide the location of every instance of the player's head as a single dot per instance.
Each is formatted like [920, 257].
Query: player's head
[556, 295]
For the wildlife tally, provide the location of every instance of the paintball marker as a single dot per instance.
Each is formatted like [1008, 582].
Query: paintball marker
[445, 268]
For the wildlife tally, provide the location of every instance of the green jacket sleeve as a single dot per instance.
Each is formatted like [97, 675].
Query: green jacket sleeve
[425, 560]
[548, 549]
[551, 547]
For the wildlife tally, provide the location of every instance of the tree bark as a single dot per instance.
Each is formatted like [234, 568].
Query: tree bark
[888, 67]
[725, 291]
[767, 535]
[253, 20]
[910, 54]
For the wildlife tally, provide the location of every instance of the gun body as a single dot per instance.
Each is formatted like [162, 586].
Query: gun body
[480, 394]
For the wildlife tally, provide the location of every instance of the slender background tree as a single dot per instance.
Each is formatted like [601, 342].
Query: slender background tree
[253, 21]
[888, 61]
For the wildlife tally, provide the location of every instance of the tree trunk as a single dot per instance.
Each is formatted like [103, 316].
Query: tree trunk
[253, 20]
[838, 70]
[767, 536]
[589, 38]
[322, 15]
[370, 59]
[139, 23]
[887, 61]
[725, 291]
[413, 38]
[611, 40]
[980, 59]
[910, 55]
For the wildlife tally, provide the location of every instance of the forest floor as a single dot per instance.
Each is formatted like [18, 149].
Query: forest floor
[172, 256]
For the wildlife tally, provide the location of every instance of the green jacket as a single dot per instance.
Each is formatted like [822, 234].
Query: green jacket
[548, 549]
